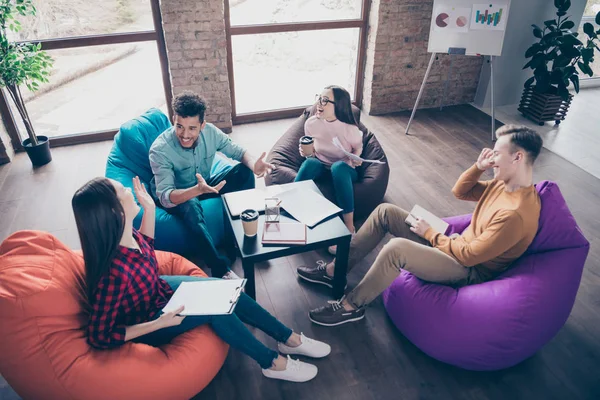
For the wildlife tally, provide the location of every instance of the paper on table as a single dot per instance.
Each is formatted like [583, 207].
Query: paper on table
[307, 206]
[436, 223]
[254, 199]
[206, 297]
[338, 144]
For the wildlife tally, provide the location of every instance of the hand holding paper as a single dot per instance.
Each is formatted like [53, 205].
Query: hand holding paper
[352, 156]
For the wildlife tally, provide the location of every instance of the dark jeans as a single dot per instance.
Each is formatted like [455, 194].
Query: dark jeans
[230, 327]
[239, 177]
[343, 177]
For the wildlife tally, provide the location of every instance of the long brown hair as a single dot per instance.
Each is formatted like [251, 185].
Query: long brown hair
[343, 104]
[100, 220]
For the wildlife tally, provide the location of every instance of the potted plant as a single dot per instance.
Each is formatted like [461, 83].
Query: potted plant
[23, 63]
[556, 60]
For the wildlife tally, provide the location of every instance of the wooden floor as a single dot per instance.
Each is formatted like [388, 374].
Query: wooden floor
[370, 359]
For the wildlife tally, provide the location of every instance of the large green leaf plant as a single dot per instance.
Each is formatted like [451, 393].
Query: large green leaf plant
[559, 55]
[21, 63]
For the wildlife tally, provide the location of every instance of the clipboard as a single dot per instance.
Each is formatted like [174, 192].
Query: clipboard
[206, 297]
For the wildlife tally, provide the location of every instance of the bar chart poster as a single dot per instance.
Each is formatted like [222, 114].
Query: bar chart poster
[452, 19]
[489, 17]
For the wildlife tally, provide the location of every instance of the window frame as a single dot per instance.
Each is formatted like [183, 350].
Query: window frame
[362, 23]
[87, 41]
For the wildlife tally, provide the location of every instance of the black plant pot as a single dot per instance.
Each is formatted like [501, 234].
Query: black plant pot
[39, 154]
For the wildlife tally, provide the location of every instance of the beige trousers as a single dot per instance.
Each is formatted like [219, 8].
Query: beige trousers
[406, 251]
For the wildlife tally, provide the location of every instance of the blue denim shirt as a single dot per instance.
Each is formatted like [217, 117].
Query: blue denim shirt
[175, 167]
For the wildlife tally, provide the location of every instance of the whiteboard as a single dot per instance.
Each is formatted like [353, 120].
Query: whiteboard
[477, 26]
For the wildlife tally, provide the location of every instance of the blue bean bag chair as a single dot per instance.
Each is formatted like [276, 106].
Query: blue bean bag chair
[497, 324]
[129, 158]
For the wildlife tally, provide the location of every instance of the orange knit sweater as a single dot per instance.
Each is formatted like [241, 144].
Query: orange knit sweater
[503, 225]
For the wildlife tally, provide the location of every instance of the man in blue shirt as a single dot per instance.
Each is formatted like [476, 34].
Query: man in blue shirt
[181, 159]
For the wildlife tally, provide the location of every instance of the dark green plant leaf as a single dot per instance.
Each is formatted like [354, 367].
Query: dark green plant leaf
[561, 13]
[564, 93]
[529, 81]
[585, 68]
[568, 71]
[567, 25]
[587, 55]
[571, 40]
[550, 22]
[532, 50]
[566, 5]
[558, 3]
[561, 61]
[588, 29]
[575, 79]
[598, 18]
[537, 32]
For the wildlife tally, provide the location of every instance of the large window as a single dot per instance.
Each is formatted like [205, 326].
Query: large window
[283, 52]
[591, 9]
[109, 66]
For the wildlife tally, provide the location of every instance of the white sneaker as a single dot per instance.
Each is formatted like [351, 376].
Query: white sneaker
[295, 371]
[230, 275]
[309, 347]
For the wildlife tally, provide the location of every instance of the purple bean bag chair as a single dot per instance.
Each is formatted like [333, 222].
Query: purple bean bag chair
[497, 324]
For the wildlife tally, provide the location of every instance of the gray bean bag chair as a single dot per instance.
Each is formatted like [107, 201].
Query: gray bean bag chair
[372, 178]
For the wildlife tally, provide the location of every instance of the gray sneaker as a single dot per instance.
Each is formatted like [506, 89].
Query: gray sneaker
[317, 274]
[334, 314]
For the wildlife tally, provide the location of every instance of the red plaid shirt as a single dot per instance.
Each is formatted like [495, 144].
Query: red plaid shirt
[130, 293]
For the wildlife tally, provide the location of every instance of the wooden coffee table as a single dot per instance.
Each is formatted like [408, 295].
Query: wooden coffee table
[327, 233]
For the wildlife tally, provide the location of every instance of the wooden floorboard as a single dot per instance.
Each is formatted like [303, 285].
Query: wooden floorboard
[370, 359]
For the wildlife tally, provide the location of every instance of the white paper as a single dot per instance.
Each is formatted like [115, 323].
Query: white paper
[448, 18]
[436, 223]
[498, 13]
[253, 199]
[338, 144]
[206, 297]
[307, 206]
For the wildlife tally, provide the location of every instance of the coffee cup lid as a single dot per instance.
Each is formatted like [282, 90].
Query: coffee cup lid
[249, 215]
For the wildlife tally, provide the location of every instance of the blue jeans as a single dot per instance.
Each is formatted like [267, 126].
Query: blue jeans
[239, 177]
[343, 177]
[230, 327]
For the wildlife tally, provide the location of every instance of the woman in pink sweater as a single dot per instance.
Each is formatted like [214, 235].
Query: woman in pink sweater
[334, 119]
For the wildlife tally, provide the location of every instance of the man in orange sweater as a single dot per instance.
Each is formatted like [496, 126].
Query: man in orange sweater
[504, 223]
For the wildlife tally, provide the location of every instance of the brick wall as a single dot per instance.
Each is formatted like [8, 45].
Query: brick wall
[397, 59]
[197, 51]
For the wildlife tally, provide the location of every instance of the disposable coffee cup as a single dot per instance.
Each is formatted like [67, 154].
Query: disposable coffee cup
[250, 222]
[307, 144]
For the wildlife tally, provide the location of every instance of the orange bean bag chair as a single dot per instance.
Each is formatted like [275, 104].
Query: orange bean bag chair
[43, 347]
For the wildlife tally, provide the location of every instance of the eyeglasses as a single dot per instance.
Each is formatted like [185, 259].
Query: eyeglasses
[323, 100]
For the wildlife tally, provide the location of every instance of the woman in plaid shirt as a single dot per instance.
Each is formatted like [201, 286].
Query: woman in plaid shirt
[127, 294]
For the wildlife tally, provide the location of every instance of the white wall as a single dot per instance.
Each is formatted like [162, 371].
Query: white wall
[509, 76]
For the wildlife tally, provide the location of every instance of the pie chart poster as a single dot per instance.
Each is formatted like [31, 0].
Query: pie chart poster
[451, 19]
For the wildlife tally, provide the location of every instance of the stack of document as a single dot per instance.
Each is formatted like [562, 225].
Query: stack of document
[206, 297]
[284, 233]
[307, 206]
[253, 199]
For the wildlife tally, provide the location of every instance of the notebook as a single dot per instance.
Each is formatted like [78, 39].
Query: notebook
[436, 223]
[207, 297]
[307, 206]
[284, 233]
[254, 199]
